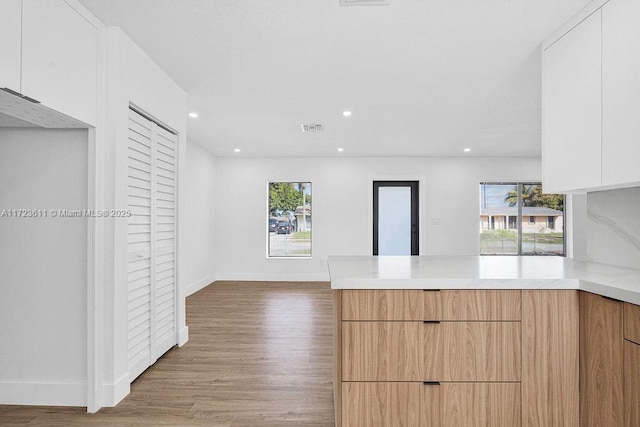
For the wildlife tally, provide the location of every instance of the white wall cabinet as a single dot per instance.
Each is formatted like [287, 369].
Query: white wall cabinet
[49, 53]
[572, 109]
[620, 92]
[591, 92]
[10, 49]
[59, 58]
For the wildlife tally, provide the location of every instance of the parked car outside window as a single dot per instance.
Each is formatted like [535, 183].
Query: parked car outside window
[283, 227]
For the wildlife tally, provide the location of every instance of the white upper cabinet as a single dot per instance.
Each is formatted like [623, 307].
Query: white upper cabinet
[572, 109]
[10, 13]
[621, 92]
[59, 58]
[591, 100]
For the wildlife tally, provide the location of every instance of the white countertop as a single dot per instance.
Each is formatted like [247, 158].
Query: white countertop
[483, 272]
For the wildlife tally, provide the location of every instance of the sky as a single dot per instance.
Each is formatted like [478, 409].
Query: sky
[492, 195]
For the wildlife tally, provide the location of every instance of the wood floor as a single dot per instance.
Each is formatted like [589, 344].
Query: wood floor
[259, 354]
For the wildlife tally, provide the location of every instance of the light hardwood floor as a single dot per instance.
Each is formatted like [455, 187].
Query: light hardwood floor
[259, 354]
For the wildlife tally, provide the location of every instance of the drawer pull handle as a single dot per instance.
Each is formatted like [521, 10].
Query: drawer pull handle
[431, 290]
[431, 383]
[431, 322]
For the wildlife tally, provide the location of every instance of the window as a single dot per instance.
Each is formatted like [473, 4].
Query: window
[289, 220]
[517, 206]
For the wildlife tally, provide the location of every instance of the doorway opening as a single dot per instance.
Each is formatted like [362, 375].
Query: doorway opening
[395, 218]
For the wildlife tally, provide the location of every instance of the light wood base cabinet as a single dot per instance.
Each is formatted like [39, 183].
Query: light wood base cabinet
[550, 351]
[601, 361]
[486, 358]
[436, 358]
[456, 358]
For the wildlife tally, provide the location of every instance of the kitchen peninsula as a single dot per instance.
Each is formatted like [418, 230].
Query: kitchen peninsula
[485, 340]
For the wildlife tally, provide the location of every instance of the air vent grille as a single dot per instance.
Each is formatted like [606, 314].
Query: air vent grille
[364, 2]
[312, 128]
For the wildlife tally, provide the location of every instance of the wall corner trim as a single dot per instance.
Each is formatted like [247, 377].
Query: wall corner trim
[183, 336]
[114, 393]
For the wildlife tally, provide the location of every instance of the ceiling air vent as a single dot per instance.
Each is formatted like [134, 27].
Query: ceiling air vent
[364, 2]
[312, 128]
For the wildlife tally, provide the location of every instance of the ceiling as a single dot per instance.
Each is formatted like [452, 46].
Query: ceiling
[421, 77]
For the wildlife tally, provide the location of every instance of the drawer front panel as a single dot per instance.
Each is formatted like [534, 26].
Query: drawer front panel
[471, 404]
[381, 351]
[632, 322]
[382, 305]
[481, 305]
[381, 404]
[472, 351]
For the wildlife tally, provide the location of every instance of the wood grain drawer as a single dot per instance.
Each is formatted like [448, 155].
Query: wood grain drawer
[407, 404]
[632, 322]
[471, 404]
[473, 305]
[381, 404]
[382, 305]
[482, 305]
[472, 351]
[382, 351]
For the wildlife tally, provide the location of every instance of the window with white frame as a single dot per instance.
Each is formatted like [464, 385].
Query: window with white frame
[289, 219]
[517, 218]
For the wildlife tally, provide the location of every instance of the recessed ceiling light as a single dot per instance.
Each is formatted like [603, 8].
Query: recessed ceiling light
[466, 150]
[346, 113]
[341, 149]
[193, 115]
[236, 150]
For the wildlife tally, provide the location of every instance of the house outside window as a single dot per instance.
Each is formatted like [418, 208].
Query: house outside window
[518, 219]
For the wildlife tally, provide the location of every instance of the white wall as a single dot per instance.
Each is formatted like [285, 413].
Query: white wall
[133, 78]
[43, 309]
[199, 212]
[613, 227]
[342, 201]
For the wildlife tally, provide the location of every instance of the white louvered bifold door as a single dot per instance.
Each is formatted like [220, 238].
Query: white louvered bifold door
[164, 240]
[139, 183]
[151, 289]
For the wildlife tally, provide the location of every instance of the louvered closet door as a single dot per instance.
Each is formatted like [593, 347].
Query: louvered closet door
[164, 240]
[139, 182]
[151, 242]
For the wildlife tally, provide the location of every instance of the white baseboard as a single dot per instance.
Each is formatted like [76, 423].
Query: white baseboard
[200, 284]
[183, 336]
[274, 277]
[49, 394]
[114, 393]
